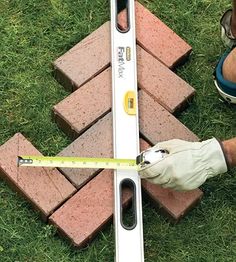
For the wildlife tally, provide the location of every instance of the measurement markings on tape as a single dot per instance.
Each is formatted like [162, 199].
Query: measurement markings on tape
[78, 162]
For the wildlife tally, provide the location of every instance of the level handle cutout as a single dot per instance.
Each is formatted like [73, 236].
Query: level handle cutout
[123, 22]
[129, 216]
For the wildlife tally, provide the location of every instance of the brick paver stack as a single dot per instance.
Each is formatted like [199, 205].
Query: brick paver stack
[79, 202]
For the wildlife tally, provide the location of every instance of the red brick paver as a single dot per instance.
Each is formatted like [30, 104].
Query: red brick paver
[45, 188]
[85, 60]
[168, 89]
[171, 203]
[156, 124]
[158, 39]
[95, 142]
[85, 106]
[89, 210]
[92, 55]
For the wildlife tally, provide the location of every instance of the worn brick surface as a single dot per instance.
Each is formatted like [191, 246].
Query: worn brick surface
[89, 210]
[171, 91]
[45, 188]
[156, 124]
[173, 204]
[86, 105]
[92, 54]
[95, 142]
[84, 60]
[158, 39]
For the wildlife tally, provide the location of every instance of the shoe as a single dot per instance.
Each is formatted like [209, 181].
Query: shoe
[226, 88]
[226, 33]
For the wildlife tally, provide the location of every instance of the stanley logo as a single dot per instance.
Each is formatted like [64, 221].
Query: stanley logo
[128, 53]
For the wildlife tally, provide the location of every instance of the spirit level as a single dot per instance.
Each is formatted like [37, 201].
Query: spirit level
[128, 237]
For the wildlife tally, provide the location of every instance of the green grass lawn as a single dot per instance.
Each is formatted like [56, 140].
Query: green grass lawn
[33, 34]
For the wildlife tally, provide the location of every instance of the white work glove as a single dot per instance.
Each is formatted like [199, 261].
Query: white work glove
[187, 164]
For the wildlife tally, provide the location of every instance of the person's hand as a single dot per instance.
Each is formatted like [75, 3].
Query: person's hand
[187, 164]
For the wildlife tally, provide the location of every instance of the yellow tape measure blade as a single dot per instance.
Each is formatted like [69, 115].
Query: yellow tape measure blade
[77, 162]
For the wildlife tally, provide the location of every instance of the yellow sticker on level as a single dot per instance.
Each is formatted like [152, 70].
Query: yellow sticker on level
[130, 103]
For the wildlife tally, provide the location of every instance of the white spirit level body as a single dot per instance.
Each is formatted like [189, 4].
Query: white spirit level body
[129, 240]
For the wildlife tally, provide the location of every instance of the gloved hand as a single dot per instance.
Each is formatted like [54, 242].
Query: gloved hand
[187, 164]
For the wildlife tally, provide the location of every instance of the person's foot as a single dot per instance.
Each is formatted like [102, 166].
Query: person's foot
[225, 76]
[229, 66]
